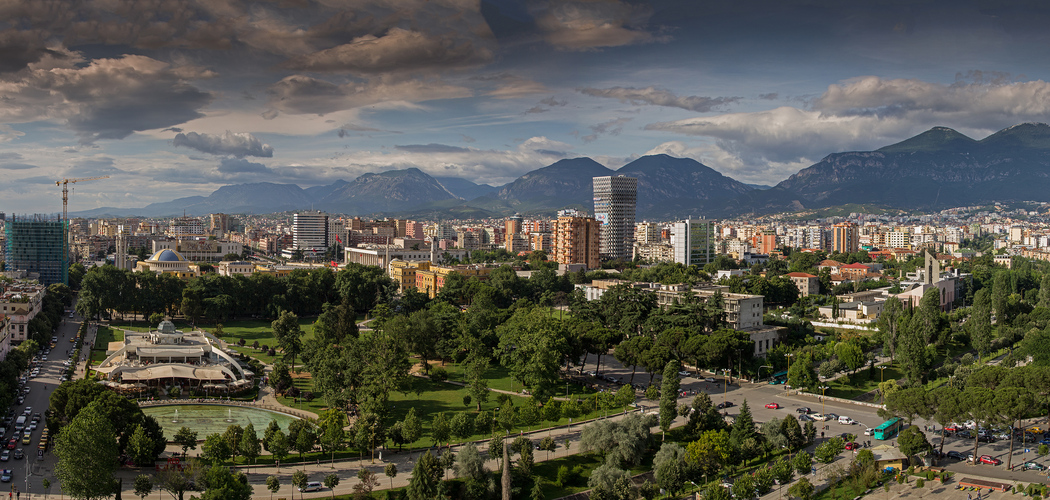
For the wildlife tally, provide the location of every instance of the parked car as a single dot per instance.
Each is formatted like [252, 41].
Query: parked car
[805, 418]
[852, 446]
[1032, 466]
[311, 486]
[819, 417]
[727, 404]
[986, 438]
[709, 380]
[955, 455]
[804, 409]
[990, 460]
[684, 373]
[844, 420]
[832, 416]
[869, 432]
[773, 406]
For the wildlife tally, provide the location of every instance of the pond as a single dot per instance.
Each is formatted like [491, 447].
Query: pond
[212, 419]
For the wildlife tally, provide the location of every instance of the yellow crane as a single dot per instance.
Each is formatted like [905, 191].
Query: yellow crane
[65, 202]
[65, 190]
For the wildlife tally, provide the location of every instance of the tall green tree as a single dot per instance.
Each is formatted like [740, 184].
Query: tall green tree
[669, 397]
[250, 448]
[87, 454]
[980, 323]
[425, 478]
[801, 373]
[289, 335]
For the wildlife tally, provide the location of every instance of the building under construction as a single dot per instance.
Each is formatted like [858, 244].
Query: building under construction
[37, 244]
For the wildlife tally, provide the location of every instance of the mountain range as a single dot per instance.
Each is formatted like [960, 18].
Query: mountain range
[938, 168]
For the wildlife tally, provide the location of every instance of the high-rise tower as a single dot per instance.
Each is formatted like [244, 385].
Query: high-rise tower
[615, 197]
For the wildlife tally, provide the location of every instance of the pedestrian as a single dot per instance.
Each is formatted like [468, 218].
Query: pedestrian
[969, 496]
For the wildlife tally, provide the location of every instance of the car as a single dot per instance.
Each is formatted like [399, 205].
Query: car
[966, 435]
[20, 400]
[12, 444]
[869, 432]
[832, 416]
[955, 455]
[844, 420]
[819, 417]
[986, 438]
[805, 418]
[311, 486]
[19, 454]
[28, 411]
[724, 405]
[5, 475]
[990, 460]
[684, 373]
[592, 373]
[804, 409]
[709, 380]
[852, 446]
[27, 437]
[32, 426]
[1032, 466]
[5, 455]
[43, 358]
[773, 406]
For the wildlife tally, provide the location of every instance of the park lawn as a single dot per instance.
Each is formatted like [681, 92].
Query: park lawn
[106, 335]
[499, 378]
[859, 383]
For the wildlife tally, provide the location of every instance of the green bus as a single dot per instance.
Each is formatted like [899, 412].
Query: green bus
[889, 429]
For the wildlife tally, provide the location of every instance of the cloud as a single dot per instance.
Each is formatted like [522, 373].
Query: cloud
[592, 24]
[660, 97]
[17, 166]
[229, 143]
[863, 114]
[240, 165]
[431, 148]
[302, 94]
[397, 51]
[19, 49]
[772, 96]
[545, 105]
[107, 98]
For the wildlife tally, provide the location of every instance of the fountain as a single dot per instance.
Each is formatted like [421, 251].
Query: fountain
[176, 419]
[229, 415]
[211, 419]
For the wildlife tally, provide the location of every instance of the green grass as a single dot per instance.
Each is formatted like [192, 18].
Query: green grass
[106, 335]
[852, 386]
[499, 377]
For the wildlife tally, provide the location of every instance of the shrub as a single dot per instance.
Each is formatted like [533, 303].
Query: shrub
[439, 374]
[930, 475]
[271, 352]
[920, 483]
[563, 476]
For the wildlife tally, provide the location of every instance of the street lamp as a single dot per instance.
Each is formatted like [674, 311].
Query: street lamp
[882, 373]
[822, 389]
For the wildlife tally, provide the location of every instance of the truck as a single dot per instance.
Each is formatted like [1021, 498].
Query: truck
[20, 423]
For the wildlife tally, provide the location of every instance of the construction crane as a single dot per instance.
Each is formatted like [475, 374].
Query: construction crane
[65, 190]
[65, 202]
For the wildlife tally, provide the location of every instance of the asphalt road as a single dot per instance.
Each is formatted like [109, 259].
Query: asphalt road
[29, 472]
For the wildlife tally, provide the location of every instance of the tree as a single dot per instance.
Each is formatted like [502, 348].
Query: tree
[391, 471]
[462, 425]
[143, 485]
[802, 489]
[233, 436]
[333, 437]
[980, 322]
[367, 481]
[1013, 404]
[743, 429]
[186, 438]
[278, 446]
[289, 335]
[305, 438]
[912, 441]
[222, 484]
[802, 462]
[851, 355]
[548, 444]
[178, 480]
[299, 481]
[709, 453]
[87, 454]
[801, 373]
[440, 430]
[477, 386]
[825, 452]
[790, 429]
[668, 466]
[425, 477]
[332, 480]
[249, 445]
[469, 464]
[140, 447]
[273, 484]
[669, 397]
[216, 449]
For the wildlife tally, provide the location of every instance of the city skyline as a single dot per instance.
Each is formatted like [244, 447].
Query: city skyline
[178, 100]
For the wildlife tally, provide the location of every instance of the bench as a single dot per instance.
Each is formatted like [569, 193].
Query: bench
[980, 483]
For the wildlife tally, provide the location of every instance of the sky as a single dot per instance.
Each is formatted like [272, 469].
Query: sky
[174, 98]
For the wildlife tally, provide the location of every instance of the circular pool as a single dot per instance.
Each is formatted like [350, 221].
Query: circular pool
[214, 419]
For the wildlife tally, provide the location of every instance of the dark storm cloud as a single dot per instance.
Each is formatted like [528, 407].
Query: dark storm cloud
[229, 143]
[660, 97]
[397, 50]
[20, 49]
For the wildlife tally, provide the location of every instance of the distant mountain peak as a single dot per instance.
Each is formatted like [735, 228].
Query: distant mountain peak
[935, 139]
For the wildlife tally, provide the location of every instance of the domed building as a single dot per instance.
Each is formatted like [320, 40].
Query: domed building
[169, 262]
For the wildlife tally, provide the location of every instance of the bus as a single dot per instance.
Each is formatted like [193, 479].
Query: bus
[889, 429]
[778, 378]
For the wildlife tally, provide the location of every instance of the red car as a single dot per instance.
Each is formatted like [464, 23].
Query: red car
[12, 444]
[988, 459]
[852, 446]
[773, 406]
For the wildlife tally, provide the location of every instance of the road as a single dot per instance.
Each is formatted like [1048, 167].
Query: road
[29, 472]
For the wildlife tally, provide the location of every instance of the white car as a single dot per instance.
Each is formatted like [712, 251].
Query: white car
[819, 417]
